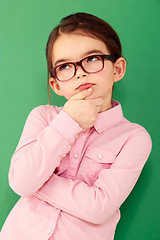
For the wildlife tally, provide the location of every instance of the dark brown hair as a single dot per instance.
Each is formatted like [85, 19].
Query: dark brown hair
[89, 24]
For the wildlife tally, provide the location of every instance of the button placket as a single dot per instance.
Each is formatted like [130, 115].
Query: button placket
[76, 136]
[100, 156]
[76, 155]
[49, 231]
[53, 221]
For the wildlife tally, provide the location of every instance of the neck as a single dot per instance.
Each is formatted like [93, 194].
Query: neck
[107, 104]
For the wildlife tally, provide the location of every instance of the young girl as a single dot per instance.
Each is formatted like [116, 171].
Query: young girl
[75, 165]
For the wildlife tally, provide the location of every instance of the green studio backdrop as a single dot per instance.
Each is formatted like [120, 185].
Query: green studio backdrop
[24, 29]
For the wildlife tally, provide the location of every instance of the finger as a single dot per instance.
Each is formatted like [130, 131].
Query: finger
[82, 94]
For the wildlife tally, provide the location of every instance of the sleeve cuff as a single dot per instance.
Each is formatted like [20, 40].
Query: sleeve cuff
[66, 126]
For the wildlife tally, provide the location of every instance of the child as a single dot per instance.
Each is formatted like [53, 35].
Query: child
[75, 165]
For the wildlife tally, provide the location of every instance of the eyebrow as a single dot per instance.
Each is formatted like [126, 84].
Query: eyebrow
[85, 54]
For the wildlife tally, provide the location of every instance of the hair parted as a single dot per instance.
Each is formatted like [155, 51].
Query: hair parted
[88, 24]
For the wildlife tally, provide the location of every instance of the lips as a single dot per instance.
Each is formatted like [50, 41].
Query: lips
[84, 86]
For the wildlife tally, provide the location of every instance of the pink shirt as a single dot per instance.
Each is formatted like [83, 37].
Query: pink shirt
[72, 182]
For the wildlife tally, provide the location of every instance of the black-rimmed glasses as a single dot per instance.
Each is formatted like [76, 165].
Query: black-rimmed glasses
[89, 64]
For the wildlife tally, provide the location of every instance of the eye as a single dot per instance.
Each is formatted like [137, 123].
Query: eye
[64, 67]
[93, 58]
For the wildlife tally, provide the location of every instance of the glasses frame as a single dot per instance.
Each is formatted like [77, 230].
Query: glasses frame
[79, 63]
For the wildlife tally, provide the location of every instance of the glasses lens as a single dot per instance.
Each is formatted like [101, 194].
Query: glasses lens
[65, 71]
[93, 64]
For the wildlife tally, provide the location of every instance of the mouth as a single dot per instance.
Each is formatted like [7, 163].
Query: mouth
[84, 86]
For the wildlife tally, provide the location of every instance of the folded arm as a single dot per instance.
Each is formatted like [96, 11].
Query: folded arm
[97, 203]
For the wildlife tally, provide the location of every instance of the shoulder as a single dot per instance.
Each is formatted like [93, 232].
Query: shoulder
[137, 134]
[126, 133]
[46, 108]
[45, 112]
[125, 128]
[135, 128]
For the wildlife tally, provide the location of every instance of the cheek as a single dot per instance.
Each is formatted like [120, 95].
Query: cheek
[104, 77]
[66, 90]
[109, 69]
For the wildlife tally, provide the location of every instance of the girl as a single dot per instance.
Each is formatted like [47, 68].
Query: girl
[75, 165]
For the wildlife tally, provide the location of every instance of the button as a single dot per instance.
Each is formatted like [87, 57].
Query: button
[100, 156]
[76, 136]
[64, 155]
[49, 231]
[76, 155]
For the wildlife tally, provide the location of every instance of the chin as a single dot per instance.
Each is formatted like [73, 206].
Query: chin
[69, 96]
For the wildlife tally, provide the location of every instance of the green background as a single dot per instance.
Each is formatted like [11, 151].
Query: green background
[24, 30]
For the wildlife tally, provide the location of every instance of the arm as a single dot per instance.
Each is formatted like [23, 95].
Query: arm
[40, 149]
[97, 203]
[42, 145]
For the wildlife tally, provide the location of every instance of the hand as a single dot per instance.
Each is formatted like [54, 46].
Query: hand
[82, 109]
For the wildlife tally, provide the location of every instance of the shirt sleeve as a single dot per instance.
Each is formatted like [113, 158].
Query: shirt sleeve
[99, 202]
[40, 149]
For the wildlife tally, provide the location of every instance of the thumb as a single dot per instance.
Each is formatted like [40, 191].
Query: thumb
[82, 94]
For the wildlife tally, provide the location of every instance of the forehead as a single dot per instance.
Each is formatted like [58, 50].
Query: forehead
[74, 46]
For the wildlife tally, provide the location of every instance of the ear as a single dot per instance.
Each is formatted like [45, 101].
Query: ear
[119, 69]
[55, 86]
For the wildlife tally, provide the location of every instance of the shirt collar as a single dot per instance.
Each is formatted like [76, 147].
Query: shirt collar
[109, 117]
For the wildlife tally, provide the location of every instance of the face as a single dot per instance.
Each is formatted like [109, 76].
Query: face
[74, 47]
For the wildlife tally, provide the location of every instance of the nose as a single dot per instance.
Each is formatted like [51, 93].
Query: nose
[80, 72]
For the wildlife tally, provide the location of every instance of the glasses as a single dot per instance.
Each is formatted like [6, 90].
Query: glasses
[90, 64]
